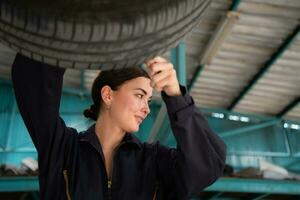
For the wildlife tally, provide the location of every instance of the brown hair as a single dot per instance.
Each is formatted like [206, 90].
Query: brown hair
[114, 79]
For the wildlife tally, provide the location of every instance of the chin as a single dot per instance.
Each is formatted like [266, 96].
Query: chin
[132, 129]
[135, 130]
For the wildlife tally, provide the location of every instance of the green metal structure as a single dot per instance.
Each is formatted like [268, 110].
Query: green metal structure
[249, 137]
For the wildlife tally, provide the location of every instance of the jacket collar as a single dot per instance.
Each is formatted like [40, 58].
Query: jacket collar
[90, 136]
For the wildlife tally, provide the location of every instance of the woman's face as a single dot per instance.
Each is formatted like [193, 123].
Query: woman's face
[129, 106]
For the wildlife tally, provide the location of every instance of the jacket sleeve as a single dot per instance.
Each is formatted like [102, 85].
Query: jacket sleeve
[199, 158]
[38, 89]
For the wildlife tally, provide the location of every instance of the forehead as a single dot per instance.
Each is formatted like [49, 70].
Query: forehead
[140, 82]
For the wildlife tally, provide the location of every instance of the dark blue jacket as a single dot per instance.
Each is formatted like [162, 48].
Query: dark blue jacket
[71, 165]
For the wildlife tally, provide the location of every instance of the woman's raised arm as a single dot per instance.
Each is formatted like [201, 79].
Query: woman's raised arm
[38, 89]
[200, 155]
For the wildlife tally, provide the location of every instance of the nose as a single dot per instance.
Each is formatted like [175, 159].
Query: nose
[146, 108]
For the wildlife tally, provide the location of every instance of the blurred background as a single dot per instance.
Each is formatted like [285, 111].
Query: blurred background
[241, 64]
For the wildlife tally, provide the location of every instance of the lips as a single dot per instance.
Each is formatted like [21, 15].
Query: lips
[139, 119]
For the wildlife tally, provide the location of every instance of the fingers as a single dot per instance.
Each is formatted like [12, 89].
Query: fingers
[159, 67]
[157, 59]
[161, 75]
[158, 64]
[161, 84]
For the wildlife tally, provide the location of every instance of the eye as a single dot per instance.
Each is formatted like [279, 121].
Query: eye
[140, 96]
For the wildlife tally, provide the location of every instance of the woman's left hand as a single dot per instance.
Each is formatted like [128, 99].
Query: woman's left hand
[163, 76]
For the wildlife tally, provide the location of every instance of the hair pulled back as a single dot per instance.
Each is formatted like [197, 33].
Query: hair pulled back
[114, 79]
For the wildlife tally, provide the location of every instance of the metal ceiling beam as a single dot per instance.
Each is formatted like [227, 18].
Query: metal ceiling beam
[289, 107]
[195, 77]
[284, 46]
[223, 30]
[255, 186]
[249, 128]
[260, 117]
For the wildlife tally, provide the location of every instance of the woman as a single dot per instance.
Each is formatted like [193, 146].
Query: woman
[107, 161]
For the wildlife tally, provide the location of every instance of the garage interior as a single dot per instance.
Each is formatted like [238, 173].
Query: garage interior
[241, 64]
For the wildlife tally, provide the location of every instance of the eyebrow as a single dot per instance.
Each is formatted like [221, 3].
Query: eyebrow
[144, 91]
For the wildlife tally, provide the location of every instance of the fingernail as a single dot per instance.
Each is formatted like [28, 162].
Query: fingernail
[144, 66]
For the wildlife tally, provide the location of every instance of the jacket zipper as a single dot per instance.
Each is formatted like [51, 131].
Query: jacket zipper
[109, 190]
[65, 172]
[109, 182]
[155, 190]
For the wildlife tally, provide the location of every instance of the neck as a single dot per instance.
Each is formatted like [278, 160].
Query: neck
[108, 133]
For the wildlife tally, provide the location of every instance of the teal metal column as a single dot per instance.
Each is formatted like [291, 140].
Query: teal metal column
[235, 4]
[178, 60]
[11, 124]
[286, 140]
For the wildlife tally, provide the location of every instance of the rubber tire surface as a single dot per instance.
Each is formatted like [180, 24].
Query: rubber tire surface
[96, 34]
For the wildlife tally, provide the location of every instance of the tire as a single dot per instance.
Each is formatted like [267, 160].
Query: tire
[101, 34]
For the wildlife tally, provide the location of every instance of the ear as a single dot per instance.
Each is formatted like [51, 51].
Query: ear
[107, 95]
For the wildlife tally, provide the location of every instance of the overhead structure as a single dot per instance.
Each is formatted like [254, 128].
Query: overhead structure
[223, 30]
[285, 45]
[254, 67]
